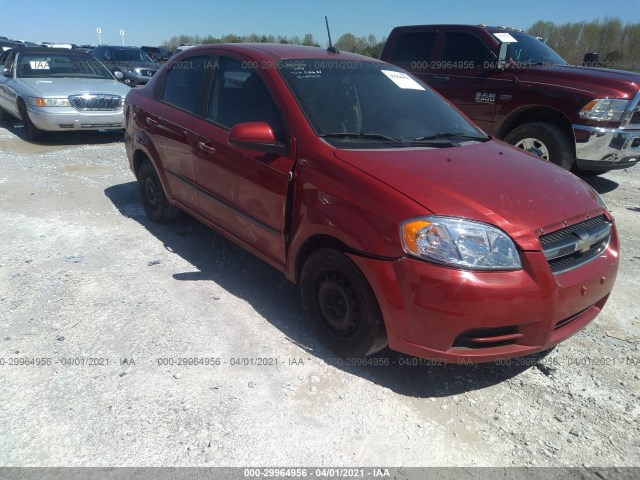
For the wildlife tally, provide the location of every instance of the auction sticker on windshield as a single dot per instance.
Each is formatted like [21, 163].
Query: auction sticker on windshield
[39, 64]
[505, 37]
[402, 80]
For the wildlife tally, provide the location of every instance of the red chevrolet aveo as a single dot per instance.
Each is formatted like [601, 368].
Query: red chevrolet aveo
[402, 222]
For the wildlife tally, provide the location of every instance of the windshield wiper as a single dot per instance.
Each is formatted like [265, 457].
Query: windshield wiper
[366, 136]
[449, 135]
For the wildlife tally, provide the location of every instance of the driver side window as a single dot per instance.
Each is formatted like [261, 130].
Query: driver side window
[465, 47]
[239, 95]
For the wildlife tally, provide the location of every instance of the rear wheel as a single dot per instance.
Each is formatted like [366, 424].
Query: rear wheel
[544, 140]
[30, 130]
[154, 200]
[340, 305]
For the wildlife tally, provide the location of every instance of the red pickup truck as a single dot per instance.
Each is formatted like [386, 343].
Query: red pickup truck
[519, 90]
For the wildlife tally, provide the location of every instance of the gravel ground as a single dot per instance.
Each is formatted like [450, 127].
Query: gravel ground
[86, 278]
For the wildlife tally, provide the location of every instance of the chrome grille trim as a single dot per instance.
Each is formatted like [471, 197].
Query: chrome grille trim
[96, 102]
[577, 244]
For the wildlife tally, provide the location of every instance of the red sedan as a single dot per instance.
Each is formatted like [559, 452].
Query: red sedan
[401, 221]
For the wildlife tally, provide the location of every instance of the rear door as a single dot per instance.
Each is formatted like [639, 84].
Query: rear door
[244, 191]
[174, 124]
[464, 77]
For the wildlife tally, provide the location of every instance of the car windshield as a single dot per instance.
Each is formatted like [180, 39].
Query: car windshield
[60, 65]
[530, 50]
[352, 103]
[130, 55]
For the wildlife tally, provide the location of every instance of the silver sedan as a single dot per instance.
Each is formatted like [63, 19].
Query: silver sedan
[59, 89]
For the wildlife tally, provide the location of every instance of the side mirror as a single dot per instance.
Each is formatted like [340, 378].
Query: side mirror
[256, 136]
[118, 74]
[502, 56]
[7, 72]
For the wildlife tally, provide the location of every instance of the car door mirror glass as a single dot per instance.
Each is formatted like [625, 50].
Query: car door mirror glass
[118, 74]
[6, 72]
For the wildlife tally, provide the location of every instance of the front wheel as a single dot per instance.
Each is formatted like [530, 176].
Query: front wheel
[340, 305]
[154, 200]
[31, 131]
[544, 140]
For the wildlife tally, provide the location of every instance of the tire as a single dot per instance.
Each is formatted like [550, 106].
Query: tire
[544, 140]
[340, 306]
[154, 201]
[31, 132]
[4, 115]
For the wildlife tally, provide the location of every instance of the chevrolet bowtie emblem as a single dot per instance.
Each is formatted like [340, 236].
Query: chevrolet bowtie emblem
[586, 241]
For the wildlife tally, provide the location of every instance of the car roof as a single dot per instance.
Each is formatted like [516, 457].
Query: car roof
[120, 47]
[281, 51]
[453, 26]
[45, 50]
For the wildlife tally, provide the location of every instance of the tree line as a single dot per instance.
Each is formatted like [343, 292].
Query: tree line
[365, 45]
[618, 44]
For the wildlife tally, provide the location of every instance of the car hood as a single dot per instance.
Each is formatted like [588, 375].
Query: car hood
[74, 86]
[489, 182]
[596, 81]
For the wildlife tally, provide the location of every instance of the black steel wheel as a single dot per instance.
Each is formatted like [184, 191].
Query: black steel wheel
[340, 305]
[154, 200]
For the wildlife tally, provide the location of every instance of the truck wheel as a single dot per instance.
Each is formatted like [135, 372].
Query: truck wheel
[30, 130]
[154, 200]
[544, 140]
[340, 305]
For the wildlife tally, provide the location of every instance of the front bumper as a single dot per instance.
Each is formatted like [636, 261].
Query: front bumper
[462, 316]
[63, 118]
[601, 148]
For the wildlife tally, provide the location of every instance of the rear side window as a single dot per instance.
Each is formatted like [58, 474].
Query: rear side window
[414, 47]
[239, 95]
[183, 83]
[465, 47]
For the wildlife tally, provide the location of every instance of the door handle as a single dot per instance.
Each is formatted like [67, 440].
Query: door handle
[206, 148]
[151, 121]
[440, 77]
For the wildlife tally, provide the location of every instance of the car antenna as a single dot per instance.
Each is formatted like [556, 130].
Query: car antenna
[331, 48]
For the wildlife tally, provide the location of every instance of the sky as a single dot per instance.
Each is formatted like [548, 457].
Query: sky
[149, 22]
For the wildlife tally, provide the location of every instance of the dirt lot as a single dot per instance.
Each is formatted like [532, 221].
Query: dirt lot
[110, 303]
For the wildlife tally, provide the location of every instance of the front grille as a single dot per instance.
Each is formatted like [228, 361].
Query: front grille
[577, 244]
[96, 102]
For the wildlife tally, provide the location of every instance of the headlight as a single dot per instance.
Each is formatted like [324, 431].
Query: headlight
[604, 109]
[460, 243]
[50, 102]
